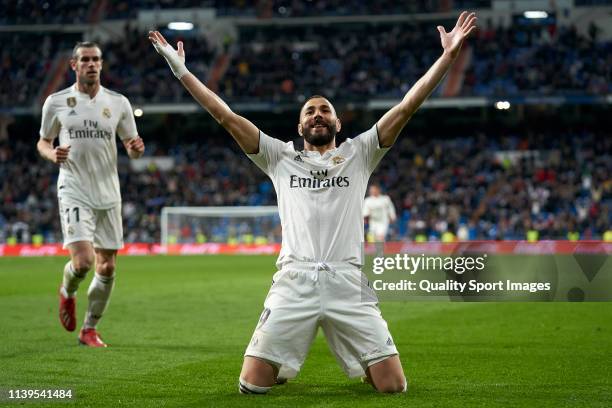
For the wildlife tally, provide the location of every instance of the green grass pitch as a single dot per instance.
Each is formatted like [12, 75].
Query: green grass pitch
[177, 328]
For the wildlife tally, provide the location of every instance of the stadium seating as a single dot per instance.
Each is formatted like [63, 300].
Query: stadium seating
[554, 185]
[346, 61]
[465, 185]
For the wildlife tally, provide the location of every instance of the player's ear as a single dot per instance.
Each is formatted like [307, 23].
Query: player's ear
[73, 64]
[300, 129]
[338, 125]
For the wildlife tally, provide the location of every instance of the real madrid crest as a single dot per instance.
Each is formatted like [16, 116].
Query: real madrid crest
[337, 160]
[107, 113]
[71, 102]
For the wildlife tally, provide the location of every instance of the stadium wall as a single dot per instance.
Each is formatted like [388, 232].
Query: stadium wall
[490, 247]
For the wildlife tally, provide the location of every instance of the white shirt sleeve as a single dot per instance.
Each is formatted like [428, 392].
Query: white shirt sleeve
[269, 154]
[369, 146]
[126, 128]
[392, 215]
[50, 124]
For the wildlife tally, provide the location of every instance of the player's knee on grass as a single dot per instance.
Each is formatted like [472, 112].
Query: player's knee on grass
[247, 388]
[258, 373]
[392, 384]
[387, 375]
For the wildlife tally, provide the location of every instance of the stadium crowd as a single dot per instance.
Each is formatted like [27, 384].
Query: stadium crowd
[483, 187]
[85, 11]
[26, 60]
[346, 62]
[133, 70]
[385, 60]
[475, 187]
[541, 61]
[45, 12]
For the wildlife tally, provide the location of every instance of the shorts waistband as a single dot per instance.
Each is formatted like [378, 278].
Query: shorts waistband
[320, 266]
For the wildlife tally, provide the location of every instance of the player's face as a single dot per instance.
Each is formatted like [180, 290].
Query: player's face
[318, 122]
[374, 191]
[88, 65]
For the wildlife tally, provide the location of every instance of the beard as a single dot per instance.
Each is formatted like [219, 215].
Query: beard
[320, 139]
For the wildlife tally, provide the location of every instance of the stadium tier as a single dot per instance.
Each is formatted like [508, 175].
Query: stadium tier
[351, 60]
[487, 180]
[82, 11]
[475, 186]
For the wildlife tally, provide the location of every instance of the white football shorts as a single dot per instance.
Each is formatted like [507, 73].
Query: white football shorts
[305, 296]
[79, 222]
[378, 230]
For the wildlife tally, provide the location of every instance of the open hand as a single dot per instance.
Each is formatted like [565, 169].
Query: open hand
[451, 42]
[174, 58]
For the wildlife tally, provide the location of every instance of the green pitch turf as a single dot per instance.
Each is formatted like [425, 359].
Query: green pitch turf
[177, 328]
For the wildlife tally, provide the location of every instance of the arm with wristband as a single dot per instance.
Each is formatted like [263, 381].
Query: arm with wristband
[392, 122]
[242, 130]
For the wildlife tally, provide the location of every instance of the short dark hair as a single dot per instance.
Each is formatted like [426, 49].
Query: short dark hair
[84, 44]
[313, 97]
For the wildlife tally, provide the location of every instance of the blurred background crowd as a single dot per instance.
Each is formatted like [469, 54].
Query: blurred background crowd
[538, 170]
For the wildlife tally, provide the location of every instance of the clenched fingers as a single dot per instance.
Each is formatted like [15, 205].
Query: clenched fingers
[61, 153]
[136, 144]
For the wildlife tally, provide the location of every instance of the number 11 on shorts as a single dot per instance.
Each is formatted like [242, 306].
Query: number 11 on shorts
[75, 210]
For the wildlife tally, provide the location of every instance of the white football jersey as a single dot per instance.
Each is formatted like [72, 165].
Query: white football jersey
[89, 126]
[320, 197]
[379, 209]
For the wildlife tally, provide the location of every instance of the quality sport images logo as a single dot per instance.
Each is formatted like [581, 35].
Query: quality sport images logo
[466, 274]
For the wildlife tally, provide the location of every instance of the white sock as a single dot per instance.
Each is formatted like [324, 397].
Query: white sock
[71, 280]
[246, 388]
[98, 294]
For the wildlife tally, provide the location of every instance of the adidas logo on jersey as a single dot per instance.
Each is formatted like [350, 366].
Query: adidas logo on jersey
[72, 113]
[298, 159]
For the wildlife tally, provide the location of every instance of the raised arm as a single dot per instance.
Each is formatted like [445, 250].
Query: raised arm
[392, 122]
[242, 130]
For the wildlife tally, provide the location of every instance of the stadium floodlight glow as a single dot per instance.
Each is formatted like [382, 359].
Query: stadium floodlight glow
[535, 14]
[180, 26]
[502, 105]
[138, 112]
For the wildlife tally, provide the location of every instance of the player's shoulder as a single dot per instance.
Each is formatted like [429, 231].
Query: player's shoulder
[62, 93]
[370, 133]
[112, 94]
[267, 139]
[58, 99]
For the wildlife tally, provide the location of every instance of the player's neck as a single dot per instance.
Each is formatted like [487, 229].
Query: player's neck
[321, 149]
[89, 89]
